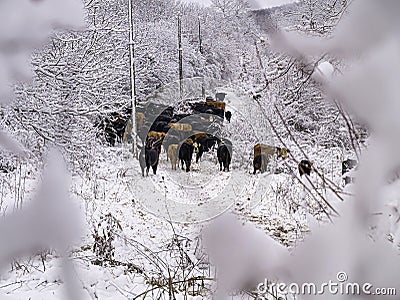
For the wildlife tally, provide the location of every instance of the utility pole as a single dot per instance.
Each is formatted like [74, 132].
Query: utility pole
[203, 90]
[200, 38]
[180, 50]
[132, 77]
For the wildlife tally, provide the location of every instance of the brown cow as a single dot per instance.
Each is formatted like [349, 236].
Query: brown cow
[199, 134]
[181, 126]
[216, 104]
[139, 119]
[156, 134]
[127, 137]
[173, 155]
[263, 154]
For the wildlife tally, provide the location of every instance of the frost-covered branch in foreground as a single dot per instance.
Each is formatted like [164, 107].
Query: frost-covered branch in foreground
[368, 37]
[49, 221]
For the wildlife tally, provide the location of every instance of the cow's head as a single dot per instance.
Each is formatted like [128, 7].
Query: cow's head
[283, 152]
[196, 147]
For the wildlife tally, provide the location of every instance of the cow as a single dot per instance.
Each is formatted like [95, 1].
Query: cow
[224, 156]
[228, 116]
[177, 117]
[204, 144]
[140, 119]
[215, 104]
[113, 127]
[152, 154]
[263, 154]
[169, 111]
[204, 108]
[305, 167]
[165, 118]
[172, 153]
[198, 134]
[215, 111]
[186, 153]
[347, 166]
[181, 126]
[127, 137]
[119, 123]
[260, 162]
[169, 140]
[156, 134]
[158, 126]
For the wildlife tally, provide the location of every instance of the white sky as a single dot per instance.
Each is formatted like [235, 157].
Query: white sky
[255, 3]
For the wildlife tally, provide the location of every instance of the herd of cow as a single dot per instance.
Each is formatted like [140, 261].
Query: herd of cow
[181, 136]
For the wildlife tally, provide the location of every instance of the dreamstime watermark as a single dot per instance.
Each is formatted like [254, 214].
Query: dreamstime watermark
[340, 286]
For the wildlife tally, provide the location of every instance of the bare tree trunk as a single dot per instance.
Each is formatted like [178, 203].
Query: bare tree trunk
[132, 78]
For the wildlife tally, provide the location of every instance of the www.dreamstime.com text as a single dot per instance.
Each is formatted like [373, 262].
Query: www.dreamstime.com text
[341, 286]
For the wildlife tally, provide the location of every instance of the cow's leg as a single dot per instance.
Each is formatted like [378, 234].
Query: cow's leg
[182, 164]
[155, 169]
[199, 155]
[147, 165]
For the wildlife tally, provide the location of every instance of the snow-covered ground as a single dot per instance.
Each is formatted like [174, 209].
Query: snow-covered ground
[147, 248]
[143, 233]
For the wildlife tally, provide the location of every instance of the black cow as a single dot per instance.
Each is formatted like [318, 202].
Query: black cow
[224, 156]
[152, 154]
[119, 123]
[305, 167]
[199, 108]
[177, 117]
[113, 127]
[228, 116]
[158, 126]
[185, 154]
[204, 144]
[164, 118]
[216, 111]
[260, 162]
[169, 111]
[347, 166]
